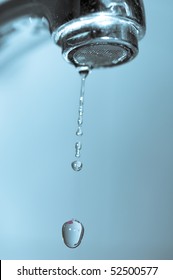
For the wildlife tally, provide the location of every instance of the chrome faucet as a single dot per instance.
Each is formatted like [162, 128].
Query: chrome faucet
[91, 33]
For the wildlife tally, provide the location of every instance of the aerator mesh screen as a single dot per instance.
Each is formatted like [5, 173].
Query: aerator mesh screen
[100, 55]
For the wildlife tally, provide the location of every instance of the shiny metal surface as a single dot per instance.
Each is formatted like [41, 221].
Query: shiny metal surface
[106, 25]
[132, 9]
[102, 30]
[115, 27]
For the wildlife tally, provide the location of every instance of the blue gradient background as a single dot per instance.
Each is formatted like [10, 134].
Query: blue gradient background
[124, 195]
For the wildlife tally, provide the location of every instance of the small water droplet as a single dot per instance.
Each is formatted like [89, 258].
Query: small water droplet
[79, 131]
[72, 233]
[84, 71]
[80, 120]
[77, 165]
[78, 145]
[77, 154]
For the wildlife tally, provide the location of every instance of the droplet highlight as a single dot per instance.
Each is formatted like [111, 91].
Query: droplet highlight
[72, 233]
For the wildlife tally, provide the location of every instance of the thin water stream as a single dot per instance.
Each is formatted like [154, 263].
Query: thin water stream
[73, 230]
[77, 164]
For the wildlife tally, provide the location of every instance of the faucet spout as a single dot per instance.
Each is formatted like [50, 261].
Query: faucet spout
[91, 33]
[100, 33]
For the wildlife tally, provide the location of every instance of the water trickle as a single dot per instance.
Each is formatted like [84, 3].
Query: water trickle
[77, 164]
[72, 233]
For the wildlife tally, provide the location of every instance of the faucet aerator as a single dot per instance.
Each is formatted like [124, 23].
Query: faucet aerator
[102, 37]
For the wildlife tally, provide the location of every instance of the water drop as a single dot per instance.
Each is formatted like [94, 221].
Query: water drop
[79, 131]
[84, 71]
[77, 154]
[77, 165]
[72, 233]
[78, 145]
[80, 121]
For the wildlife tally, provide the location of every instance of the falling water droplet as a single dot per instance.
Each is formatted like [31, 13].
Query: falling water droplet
[79, 131]
[78, 147]
[83, 71]
[72, 233]
[77, 165]
[80, 121]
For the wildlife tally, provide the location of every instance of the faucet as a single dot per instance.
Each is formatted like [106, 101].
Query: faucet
[102, 33]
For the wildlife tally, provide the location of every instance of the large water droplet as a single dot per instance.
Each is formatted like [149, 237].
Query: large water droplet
[72, 233]
[77, 165]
